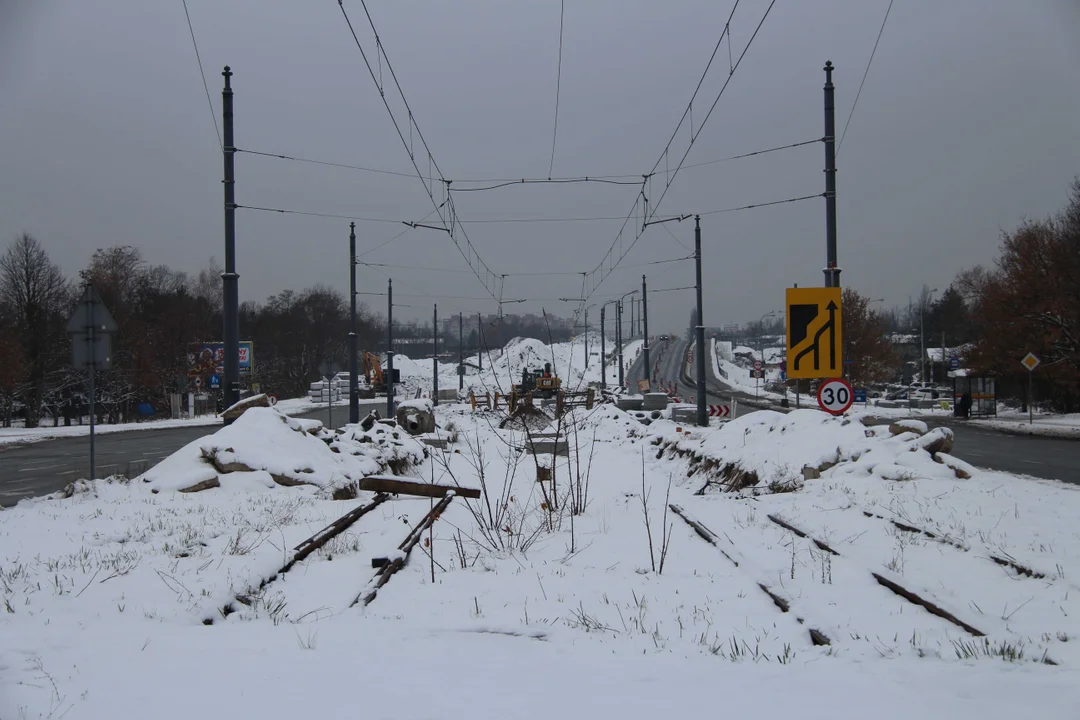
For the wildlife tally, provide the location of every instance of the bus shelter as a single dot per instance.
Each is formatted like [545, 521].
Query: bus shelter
[980, 389]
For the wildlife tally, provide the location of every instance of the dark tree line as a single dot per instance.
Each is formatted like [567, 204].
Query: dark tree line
[160, 312]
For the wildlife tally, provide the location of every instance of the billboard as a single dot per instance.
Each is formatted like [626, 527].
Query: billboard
[206, 359]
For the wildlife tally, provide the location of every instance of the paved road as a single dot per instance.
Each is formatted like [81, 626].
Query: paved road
[44, 467]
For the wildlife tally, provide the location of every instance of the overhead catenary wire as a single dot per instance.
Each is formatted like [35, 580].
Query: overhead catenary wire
[202, 74]
[455, 183]
[558, 87]
[712, 107]
[649, 213]
[448, 223]
[548, 181]
[865, 73]
[608, 218]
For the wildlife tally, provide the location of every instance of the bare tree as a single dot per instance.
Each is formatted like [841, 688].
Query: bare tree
[38, 296]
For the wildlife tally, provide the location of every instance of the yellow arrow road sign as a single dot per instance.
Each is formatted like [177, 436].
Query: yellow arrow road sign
[814, 333]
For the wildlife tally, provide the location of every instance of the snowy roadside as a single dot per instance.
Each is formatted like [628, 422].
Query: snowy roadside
[588, 582]
[1053, 426]
[19, 436]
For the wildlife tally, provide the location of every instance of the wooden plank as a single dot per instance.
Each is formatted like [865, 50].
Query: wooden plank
[397, 486]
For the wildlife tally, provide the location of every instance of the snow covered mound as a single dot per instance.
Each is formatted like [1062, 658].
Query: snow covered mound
[779, 450]
[379, 449]
[266, 447]
[605, 423]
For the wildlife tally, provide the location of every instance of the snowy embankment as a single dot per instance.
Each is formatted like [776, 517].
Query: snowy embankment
[1047, 425]
[12, 436]
[738, 377]
[587, 581]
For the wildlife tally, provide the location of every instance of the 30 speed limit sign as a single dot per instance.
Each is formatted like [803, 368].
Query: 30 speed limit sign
[835, 396]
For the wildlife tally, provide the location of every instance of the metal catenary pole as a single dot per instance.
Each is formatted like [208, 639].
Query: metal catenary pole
[619, 340]
[586, 337]
[329, 396]
[229, 278]
[479, 342]
[389, 378]
[435, 356]
[832, 272]
[702, 415]
[647, 369]
[461, 352]
[603, 350]
[354, 370]
[90, 353]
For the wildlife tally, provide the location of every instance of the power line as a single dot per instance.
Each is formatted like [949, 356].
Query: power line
[307, 213]
[387, 242]
[411, 267]
[865, 73]
[752, 154]
[483, 221]
[501, 181]
[558, 86]
[202, 74]
[675, 238]
[327, 163]
[764, 204]
[548, 181]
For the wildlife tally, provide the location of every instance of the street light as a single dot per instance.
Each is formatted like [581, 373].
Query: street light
[922, 336]
[618, 310]
[581, 300]
[603, 346]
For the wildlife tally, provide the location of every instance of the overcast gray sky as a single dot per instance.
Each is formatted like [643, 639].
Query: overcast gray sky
[969, 122]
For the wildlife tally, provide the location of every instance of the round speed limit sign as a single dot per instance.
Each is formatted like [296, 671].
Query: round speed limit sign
[835, 396]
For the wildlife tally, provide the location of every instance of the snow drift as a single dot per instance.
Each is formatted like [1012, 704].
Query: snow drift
[780, 450]
[274, 448]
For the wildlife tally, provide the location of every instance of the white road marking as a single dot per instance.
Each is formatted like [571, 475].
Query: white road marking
[1033, 462]
[35, 469]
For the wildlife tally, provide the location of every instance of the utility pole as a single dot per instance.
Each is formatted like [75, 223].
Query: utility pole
[479, 342]
[832, 272]
[461, 351]
[389, 379]
[702, 416]
[633, 325]
[586, 337]
[435, 356]
[618, 340]
[354, 379]
[603, 350]
[229, 278]
[645, 330]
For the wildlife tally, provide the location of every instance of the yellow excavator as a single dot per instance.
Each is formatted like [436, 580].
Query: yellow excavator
[541, 383]
[373, 372]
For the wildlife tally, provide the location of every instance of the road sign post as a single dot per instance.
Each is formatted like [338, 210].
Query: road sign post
[91, 327]
[1030, 361]
[814, 333]
[835, 396]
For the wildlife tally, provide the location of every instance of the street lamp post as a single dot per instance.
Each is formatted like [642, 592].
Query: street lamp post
[622, 379]
[922, 336]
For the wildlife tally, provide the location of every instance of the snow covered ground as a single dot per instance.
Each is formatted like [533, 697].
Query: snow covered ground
[1045, 425]
[583, 596]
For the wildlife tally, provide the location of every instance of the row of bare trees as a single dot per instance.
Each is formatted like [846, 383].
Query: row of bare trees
[160, 312]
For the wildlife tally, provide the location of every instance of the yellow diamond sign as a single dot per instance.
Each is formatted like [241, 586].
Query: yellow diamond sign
[1030, 361]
